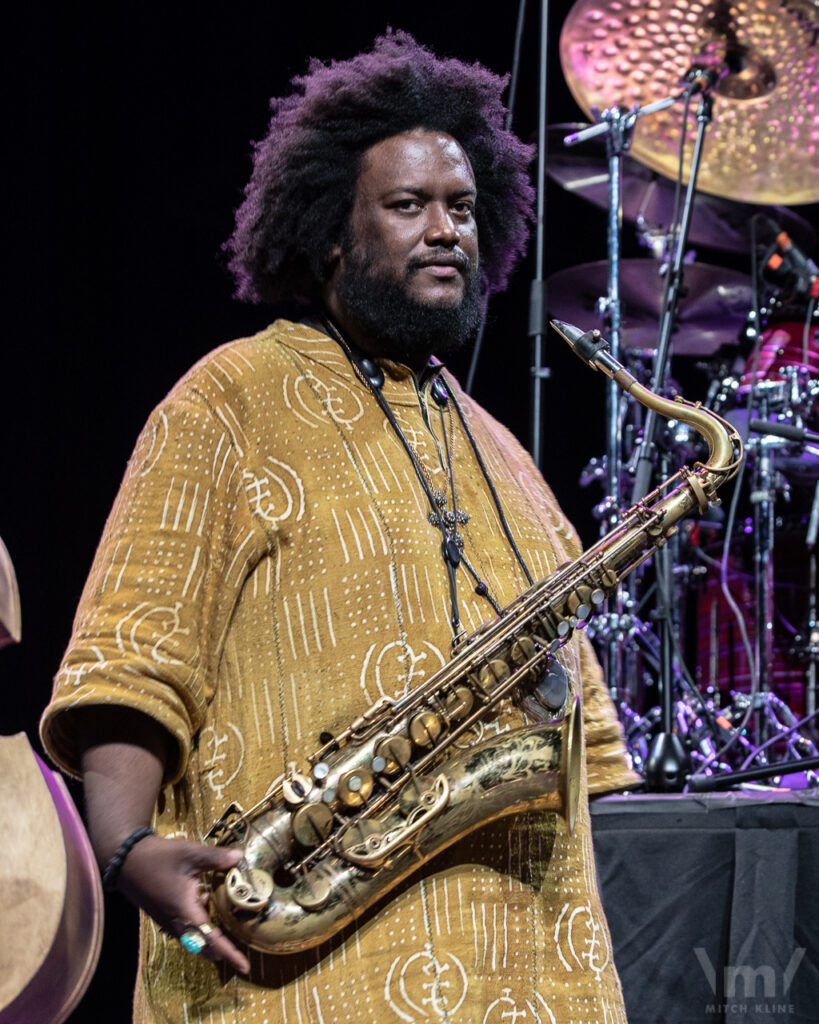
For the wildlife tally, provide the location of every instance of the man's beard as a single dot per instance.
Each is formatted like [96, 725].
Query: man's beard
[405, 329]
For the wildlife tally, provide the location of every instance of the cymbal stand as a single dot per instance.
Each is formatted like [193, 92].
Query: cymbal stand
[617, 124]
[813, 624]
[762, 499]
[665, 769]
[674, 285]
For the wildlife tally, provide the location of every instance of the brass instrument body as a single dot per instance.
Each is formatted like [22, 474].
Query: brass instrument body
[355, 848]
[520, 771]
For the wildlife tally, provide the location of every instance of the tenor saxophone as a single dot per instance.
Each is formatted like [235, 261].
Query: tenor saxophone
[403, 781]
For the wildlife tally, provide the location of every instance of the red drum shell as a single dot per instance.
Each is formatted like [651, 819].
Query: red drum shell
[782, 346]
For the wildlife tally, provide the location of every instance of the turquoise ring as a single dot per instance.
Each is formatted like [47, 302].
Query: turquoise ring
[195, 938]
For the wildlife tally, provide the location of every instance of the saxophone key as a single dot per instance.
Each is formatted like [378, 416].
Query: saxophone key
[249, 888]
[555, 628]
[494, 672]
[609, 579]
[580, 602]
[355, 786]
[295, 788]
[425, 728]
[458, 704]
[522, 650]
[312, 890]
[312, 824]
[552, 646]
[395, 751]
[552, 690]
[364, 838]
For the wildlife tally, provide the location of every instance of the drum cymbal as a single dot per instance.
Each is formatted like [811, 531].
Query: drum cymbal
[762, 144]
[709, 315]
[648, 198]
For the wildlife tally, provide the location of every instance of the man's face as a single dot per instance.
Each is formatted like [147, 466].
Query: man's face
[406, 282]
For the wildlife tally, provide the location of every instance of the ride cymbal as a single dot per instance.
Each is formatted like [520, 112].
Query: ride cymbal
[763, 143]
[711, 311]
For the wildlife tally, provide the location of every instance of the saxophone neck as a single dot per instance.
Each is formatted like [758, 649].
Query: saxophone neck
[724, 443]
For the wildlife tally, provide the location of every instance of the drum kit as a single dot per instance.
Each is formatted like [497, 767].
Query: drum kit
[704, 131]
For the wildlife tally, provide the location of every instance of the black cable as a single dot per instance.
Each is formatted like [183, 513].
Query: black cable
[515, 74]
[481, 589]
[753, 668]
[780, 735]
[507, 124]
[806, 332]
[490, 485]
[682, 668]
[657, 383]
[675, 216]
[334, 332]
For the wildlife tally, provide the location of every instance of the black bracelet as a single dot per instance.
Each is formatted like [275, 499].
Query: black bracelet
[110, 876]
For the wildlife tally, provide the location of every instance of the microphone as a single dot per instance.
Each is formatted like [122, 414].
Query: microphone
[786, 255]
[785, 430]
[700, 78]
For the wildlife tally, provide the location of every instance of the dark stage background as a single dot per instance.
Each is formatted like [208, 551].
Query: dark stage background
[128, 141]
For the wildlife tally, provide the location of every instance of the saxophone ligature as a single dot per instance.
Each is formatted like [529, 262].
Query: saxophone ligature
[403, 781]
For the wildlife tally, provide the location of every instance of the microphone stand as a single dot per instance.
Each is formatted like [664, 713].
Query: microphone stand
[763, 494]
[538, 319]
[617, 125]
[674, 287]
[667, 761]
[727, 780]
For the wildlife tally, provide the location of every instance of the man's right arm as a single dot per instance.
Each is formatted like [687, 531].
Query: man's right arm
[124, 754]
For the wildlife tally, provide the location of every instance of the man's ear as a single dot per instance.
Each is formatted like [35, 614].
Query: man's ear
[332, 264]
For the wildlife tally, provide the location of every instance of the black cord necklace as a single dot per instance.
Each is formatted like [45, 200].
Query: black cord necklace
[444, 519]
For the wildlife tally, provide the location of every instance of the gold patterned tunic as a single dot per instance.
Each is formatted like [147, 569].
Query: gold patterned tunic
[267, 572]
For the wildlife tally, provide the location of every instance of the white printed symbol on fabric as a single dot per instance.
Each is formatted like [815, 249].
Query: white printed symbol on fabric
[150, 631]
[396, 662]
[425, 988]
[581, 936]
[337, 399]
[159, 437]
[506, 1009]
[273, 497]
[214, 762]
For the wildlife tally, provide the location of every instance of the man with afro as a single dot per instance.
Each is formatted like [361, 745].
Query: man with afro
[310, 522]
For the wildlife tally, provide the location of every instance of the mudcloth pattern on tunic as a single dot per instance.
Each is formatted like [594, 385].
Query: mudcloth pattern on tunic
[267, 572]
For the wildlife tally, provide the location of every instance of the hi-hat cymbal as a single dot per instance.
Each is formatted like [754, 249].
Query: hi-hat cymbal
[710, 314]
[762, 144]
[648, 198]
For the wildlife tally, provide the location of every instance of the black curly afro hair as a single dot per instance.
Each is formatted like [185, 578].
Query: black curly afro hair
[299, 199]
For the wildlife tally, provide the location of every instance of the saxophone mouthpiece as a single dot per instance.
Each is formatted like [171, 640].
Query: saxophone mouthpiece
[568, 332]
[588, 345]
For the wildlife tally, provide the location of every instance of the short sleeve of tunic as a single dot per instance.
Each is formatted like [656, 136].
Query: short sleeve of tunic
[175, 550]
